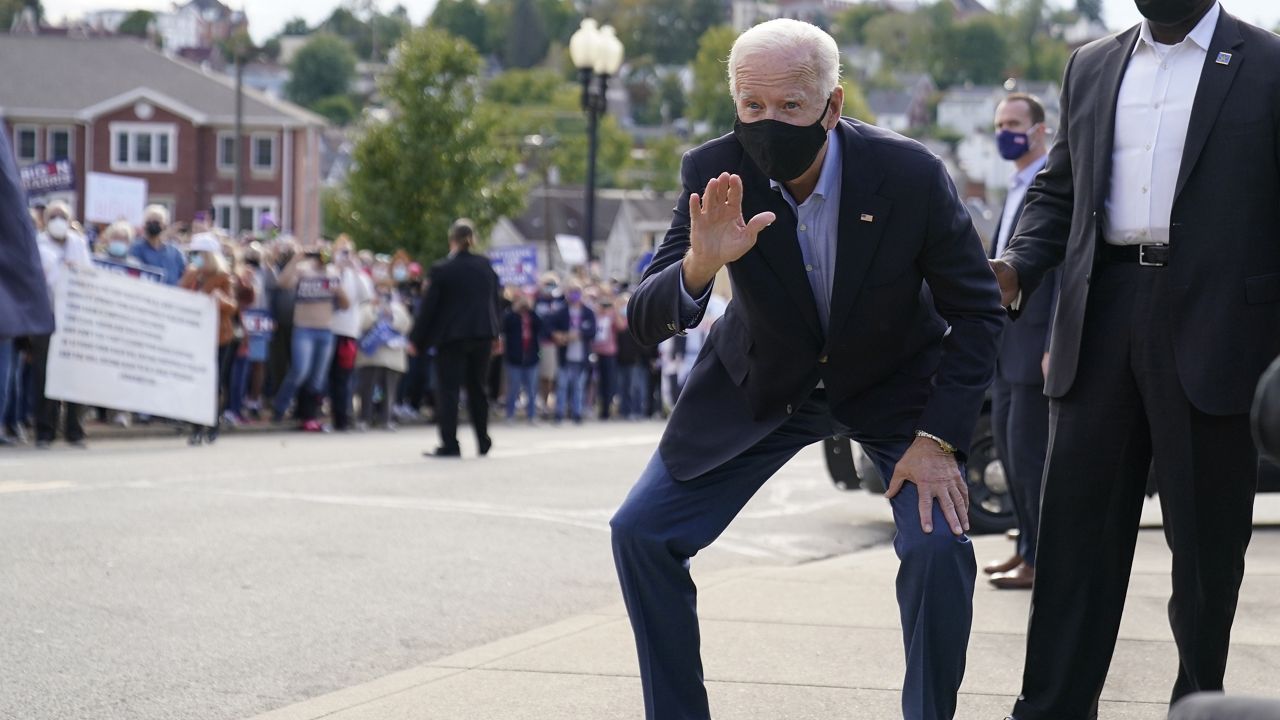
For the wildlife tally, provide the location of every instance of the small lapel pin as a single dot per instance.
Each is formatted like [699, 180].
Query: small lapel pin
[868, 218]
[1224, 58]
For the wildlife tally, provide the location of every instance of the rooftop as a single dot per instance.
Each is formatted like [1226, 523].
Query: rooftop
[137, 71]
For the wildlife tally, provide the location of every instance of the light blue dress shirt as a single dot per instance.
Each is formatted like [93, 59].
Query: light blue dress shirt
[817, 226]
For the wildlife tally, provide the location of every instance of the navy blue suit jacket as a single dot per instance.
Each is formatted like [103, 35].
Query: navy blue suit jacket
[24, 300]
[915, 310]
[1026, 341]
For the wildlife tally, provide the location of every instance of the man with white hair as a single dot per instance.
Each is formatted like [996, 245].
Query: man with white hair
[154, 249]
[863, 306]
[60, 247]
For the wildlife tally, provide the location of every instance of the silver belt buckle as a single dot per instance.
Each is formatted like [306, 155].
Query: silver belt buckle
[1142, 256]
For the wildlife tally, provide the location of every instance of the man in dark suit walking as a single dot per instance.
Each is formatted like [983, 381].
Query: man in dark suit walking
[1161, 198]
[830, 229]
[1019, 408]
[459, 318]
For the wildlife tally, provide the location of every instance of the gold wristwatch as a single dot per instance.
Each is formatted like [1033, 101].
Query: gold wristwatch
[947, 447]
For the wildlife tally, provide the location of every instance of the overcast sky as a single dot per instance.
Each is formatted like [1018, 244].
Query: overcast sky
[266, 17]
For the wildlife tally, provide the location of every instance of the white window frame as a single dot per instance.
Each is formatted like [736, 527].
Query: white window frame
[48, 141]
[134, 129]
[253, 153]
[17, 143]
[261, 204]
[222, 136]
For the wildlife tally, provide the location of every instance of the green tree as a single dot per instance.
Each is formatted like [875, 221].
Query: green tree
[975, 51]
[848, 25]
[439, 157]
[322, 68]
[524, 87]
[903, 39]
[710, 101]
[338, 109]
[528, 45]
[296, 26]
[136, 23]
[462, 18]
[1091, 9]
[271, 49]
[661, 29]
[855, 103]
[672, 95]
[660, 168]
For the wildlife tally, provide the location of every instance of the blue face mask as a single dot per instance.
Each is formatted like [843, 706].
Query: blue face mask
[117, 248]
[197, 262]
[1013, 145]
[400, 274]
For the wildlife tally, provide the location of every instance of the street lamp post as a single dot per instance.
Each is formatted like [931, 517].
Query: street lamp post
[597, 53]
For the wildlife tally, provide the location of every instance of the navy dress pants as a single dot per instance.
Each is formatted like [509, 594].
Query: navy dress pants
[664, 522]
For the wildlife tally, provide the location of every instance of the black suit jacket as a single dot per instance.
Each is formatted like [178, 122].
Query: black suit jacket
[899, 355]
[461, 303]
[1224, 268]
[24, 299]
[1025, 342]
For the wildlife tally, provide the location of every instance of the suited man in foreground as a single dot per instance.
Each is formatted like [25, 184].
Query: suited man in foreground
[830, 229]
[459, 318]
[1019, 408]
[1161, 200]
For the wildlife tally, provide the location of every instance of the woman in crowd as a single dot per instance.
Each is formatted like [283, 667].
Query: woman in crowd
[210, 273]
[317, 293]
[346, 330]
[382, 359]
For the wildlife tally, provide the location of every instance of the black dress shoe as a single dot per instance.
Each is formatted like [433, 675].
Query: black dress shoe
[486, 443]
[443, 453]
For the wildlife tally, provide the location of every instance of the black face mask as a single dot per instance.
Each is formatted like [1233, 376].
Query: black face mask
[154, 228]
[1168, 12]
[781, 150]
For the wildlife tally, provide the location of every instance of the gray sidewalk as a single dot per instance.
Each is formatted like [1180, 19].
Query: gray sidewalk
[817, 641]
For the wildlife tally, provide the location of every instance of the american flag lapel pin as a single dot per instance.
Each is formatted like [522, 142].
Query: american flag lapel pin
[1224, 58]
[868, 218]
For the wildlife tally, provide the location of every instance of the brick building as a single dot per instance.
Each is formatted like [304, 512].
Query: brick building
[118, 106]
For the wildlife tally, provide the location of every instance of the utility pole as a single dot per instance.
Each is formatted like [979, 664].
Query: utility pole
[238, 183]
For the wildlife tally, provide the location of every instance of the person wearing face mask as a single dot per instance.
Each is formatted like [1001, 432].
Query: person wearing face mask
[1019, 409]
[346, 331]
[154, 249]
[210, 273]
[573, 328]
[61, 248]
[862, 306]
[548, 303]
[1160, 200]
[382, 360]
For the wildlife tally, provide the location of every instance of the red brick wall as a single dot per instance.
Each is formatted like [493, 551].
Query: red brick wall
[180, 184]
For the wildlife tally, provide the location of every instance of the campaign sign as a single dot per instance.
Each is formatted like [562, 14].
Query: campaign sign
[48, 177]
[516, 265]
[109, 198]
[142, 272]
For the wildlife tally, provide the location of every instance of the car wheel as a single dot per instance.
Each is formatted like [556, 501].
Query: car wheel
[990, 502]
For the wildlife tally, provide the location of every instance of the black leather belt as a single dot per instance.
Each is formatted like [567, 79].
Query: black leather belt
[1145, 255]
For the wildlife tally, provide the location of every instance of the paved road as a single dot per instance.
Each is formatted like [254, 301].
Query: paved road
[146, 579]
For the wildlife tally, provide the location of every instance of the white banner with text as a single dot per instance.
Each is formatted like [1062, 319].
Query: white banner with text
[127, 344]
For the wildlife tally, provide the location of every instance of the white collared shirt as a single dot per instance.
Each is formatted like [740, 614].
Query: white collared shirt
[1152, 116]
[1019, 183]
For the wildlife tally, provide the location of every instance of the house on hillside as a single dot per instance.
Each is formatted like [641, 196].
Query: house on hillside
[628, 226]
[146, 115]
